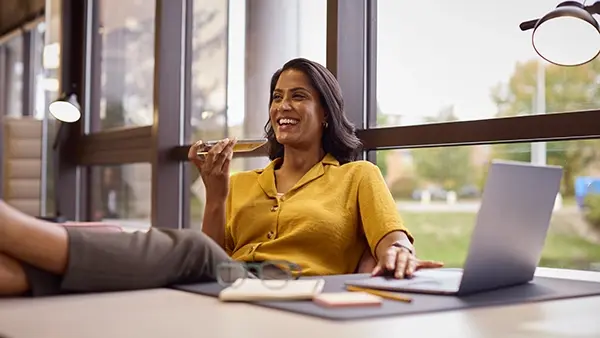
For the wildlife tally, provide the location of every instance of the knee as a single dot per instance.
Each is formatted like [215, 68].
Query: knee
[192, 240]
[13, 281]
[193, 257]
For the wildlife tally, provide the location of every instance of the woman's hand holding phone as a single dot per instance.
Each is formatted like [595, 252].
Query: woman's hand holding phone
[214, 166]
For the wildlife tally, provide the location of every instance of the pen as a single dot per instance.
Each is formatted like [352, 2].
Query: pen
[382, 294]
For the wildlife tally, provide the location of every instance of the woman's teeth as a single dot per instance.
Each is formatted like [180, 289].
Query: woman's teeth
[288, 122]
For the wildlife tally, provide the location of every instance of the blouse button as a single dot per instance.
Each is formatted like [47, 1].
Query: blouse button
[270, 235]
[274, 208]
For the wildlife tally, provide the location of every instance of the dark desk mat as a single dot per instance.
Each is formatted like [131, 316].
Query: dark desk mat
[541, 289]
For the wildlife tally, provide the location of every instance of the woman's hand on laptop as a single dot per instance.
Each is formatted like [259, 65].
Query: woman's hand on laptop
[401, 263]
[395, 255]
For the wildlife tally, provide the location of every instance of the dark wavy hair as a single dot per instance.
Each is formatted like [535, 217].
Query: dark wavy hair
[339, 138]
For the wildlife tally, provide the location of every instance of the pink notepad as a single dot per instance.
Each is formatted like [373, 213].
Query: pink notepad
[346, 299]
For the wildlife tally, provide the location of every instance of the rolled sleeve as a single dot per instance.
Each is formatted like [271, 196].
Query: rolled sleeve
[378, 212]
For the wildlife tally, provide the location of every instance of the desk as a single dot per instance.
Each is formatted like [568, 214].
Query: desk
[170, 313]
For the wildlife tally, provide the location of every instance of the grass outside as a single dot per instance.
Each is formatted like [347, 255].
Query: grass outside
[446, 236]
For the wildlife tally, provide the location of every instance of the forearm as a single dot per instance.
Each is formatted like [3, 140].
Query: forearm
[213, 223]
[398, 236]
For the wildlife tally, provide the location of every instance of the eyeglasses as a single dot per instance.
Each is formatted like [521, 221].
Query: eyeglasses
[274, 274]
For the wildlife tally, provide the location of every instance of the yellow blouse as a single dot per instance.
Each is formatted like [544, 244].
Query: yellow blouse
[324, 223]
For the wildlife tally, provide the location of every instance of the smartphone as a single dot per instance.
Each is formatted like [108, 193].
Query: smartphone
[240, 146]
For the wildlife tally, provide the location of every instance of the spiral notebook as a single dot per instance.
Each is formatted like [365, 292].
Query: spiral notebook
[244, 290]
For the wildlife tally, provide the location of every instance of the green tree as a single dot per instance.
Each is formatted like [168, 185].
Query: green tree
[567, 89]
[450, 167]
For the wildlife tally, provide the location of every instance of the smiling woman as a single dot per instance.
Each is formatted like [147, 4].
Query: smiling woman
[314, 200]
[315, 205]
[309, 100]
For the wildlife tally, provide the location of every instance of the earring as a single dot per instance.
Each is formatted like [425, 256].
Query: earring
[325, 124]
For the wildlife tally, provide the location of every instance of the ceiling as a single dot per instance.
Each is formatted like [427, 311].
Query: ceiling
[14, 13]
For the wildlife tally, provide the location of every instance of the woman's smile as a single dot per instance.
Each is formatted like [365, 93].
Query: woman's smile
[287, 124]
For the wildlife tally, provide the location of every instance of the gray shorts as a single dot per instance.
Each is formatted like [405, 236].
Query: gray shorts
[120, 261]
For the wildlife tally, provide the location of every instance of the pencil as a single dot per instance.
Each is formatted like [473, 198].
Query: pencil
[382, 294]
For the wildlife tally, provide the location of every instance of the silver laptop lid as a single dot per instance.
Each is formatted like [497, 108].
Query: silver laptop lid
[511, 226]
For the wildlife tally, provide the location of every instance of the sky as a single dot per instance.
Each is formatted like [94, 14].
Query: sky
[431, 54]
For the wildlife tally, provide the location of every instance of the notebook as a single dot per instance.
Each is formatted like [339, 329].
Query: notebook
[245, 289]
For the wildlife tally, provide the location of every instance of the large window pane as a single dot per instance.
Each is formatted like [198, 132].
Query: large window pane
[14, 74]
[234, 59]
[23, 162]
[209, 70]
[276, 31]
[424, 183]
[236, 50]
[470, 61]
[127, 50]
[46, 89]
[122, 195]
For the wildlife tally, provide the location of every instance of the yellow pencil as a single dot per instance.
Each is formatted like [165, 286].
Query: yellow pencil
[382, 294]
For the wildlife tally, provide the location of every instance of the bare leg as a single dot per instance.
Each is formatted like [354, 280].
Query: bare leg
[13, 281]
[28, 239]
[56, 259]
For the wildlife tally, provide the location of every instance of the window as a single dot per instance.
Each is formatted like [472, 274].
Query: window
[239, 55]
[23, 102]
[236, 49]
[46, 85]
[438, 191]
[14, 77]
[123, 195]
[43, 89]
[275, 32]
[127, 66]
[470, 61]
[209, 70]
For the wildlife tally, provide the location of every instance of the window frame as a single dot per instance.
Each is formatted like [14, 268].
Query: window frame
[164, 143]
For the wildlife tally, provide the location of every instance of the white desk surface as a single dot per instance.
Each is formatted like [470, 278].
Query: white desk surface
[174, 314]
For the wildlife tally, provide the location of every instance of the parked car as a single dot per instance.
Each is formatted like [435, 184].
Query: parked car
[469, 191]
[436, 193]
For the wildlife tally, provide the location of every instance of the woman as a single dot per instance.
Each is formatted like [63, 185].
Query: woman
[314, 205]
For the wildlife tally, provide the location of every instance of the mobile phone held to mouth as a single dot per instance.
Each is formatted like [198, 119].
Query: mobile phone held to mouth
[240, 146]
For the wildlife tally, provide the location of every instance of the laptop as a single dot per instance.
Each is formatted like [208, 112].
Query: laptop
[507, 241]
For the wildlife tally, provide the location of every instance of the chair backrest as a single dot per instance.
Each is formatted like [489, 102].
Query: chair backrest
[22, 163]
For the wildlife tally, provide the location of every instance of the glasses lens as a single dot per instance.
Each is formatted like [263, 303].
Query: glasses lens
[228, 273]
[276, 274]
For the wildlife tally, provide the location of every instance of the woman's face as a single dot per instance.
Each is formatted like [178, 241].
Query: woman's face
[296, 113]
